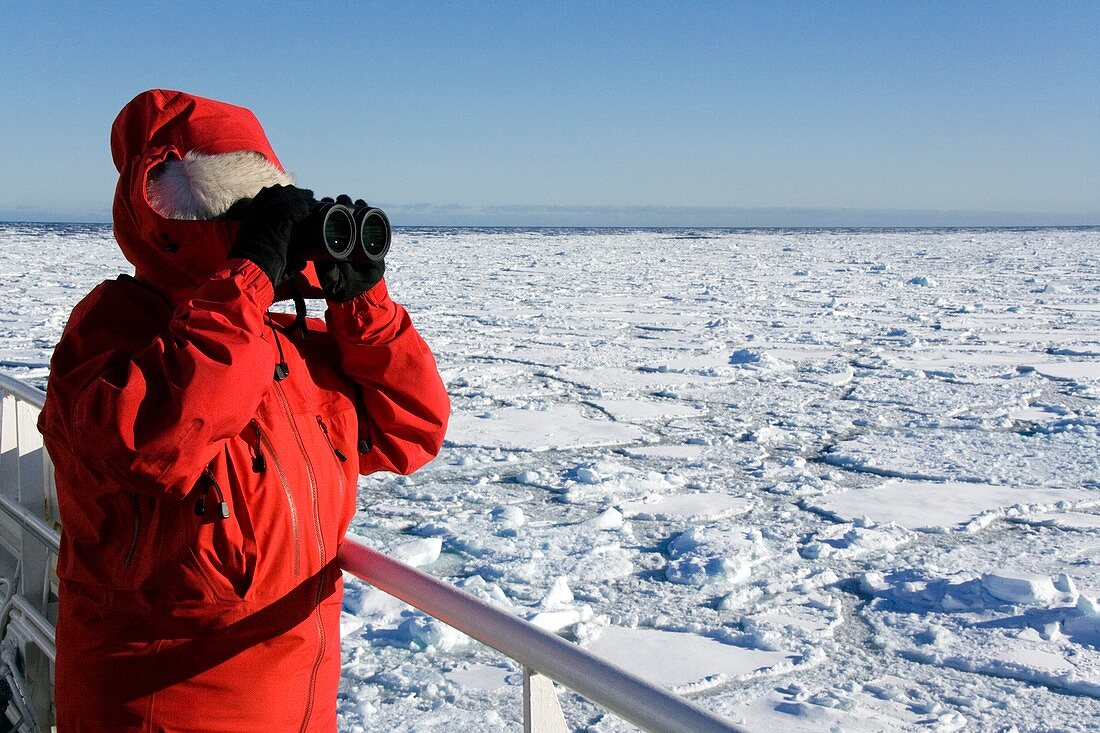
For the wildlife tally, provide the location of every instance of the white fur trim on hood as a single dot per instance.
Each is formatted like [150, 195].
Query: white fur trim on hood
[205, 186]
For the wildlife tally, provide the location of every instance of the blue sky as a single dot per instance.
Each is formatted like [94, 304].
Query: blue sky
[589, 113]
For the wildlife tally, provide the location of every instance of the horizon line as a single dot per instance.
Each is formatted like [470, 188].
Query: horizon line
[654, 217]
[745, 227]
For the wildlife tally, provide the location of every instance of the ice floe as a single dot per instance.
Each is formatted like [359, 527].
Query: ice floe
[928, 505]
[1004, 623]
[554, 428]
[701, 506]
[1060, 455]
[681, 660]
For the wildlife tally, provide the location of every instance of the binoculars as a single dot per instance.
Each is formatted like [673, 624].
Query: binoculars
[334, 231]
[357, 232]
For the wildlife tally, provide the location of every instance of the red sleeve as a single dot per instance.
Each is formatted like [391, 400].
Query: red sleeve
[406, 403]
[154, 416]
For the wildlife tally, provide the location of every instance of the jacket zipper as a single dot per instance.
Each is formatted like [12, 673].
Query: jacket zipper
[336, 451]
[259, 463]
[320, 548]
[263, 440]
[137, 531]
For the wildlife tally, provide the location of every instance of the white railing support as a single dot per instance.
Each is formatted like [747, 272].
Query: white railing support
[541, 709]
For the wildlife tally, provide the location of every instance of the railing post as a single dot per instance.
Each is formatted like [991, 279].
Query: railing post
[541, 709]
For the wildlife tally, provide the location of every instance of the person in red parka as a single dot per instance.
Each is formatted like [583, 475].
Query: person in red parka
[207, 450]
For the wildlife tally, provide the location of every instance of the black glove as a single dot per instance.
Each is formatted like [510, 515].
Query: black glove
[264, 236]
[342, 281]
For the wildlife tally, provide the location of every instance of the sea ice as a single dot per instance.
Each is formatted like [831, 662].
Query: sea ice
[698, 507]
[1071, 370]
[1061, 456]
[858, 538]
[927, 505]
[681, 660]
[1063, 520]
[1026, 589]
[1005, 623]
[684, 452]
[715, 554]
[627, 410]
[555, 428]
[594, 374]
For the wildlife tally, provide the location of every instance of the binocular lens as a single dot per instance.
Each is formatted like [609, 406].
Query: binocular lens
[339, 232]
[374, 234]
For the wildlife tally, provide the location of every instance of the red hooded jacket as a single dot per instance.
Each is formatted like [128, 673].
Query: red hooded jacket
[202, 501]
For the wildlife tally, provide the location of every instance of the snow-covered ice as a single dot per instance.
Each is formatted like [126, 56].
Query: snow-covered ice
[553, 428]
[682, 660]
[695, 507]
[816, 480]
[939, 505]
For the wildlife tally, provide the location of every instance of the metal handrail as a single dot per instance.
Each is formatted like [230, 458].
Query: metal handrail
[26, 392]
[41, 531]
[648, 706]
[42, 630]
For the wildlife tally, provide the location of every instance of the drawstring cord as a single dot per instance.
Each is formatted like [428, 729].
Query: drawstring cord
[299, 309]
[282, 370]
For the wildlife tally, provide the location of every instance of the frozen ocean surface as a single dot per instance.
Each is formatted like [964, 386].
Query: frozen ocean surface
[815, 479]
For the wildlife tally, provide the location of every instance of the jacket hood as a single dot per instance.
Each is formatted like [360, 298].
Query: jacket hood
[182, 160]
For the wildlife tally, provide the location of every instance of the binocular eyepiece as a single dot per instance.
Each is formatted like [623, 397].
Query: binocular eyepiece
[344, 233]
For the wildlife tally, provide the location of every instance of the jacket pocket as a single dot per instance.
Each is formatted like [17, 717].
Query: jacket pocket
[219, 554]
[336, 466]
[337, 458]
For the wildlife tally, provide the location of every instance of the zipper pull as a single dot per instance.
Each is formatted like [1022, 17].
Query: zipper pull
[259, 463]
[324, 429]
[223, 505]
